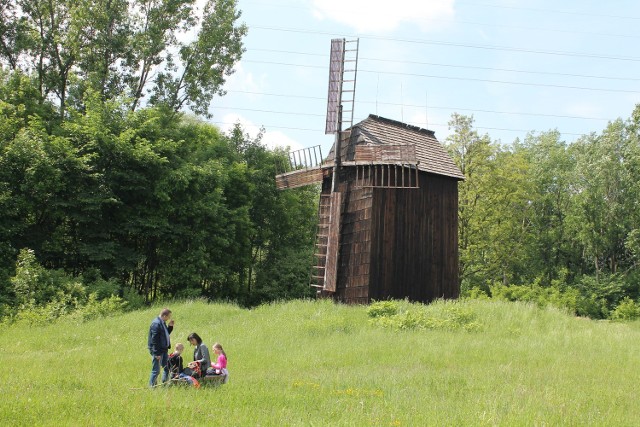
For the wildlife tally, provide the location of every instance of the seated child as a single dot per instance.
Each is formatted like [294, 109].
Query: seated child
[175, 361]
[176, 368]
[220, 367]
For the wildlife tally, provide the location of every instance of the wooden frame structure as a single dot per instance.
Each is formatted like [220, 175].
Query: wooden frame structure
[388, 221]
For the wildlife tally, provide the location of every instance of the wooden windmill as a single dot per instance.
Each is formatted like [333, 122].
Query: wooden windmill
[387, 225]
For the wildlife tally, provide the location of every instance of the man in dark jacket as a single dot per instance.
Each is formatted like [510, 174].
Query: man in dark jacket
[159, 343]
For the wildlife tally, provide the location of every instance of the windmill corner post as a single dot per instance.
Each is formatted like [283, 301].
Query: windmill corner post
[388, 210]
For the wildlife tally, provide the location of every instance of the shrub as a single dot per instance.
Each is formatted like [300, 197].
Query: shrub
[382, 309]
[447, 316]
[95, 308]
[476, 293]
[134, 300]
[628, 309]
[564, 298]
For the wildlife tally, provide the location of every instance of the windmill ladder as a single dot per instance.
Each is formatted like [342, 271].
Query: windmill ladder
[324, 276]
[322, 241]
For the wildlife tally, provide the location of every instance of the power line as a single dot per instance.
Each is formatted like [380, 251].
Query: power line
[421, 106]
[289, 113]
[436, 107]
[445, 43]
[456, 78]
[471, 67]
[321, 131]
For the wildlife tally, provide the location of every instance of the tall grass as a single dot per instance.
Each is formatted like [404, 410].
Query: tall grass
[312, 363]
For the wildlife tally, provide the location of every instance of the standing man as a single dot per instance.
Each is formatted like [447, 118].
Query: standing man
[159, 343]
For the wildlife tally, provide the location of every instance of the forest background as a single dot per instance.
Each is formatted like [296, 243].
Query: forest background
[116, 192]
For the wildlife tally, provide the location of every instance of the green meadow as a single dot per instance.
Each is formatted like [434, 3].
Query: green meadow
[316, 363]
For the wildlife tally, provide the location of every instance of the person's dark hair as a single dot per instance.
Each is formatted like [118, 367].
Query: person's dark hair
[195, 337]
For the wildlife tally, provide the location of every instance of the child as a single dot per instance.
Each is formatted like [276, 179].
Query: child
[220, 367]
[176, 368]
[175, 361]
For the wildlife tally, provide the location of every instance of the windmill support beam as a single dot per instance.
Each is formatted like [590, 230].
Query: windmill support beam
[299, 178]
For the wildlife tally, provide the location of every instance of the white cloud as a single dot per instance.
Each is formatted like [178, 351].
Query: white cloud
[584, 109]
[383, 16]
[245, 81]
[271, 139]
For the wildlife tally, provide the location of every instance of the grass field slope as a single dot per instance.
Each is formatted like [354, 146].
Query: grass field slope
[315, 363]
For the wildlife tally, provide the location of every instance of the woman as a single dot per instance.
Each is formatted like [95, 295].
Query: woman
[201, 359]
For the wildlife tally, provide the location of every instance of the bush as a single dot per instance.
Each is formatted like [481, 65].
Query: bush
[40, 315]
[475, 293]
[439, 315]
[95, 284]
[134, 300]
[382, 309]
[564, 298]
[628, 309]
[42, 295]
[34, 284]
[95, 308]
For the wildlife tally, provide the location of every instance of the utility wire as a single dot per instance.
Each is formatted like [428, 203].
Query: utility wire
[318, 130]
[471, 67]
[455, 78]
[445, 43]
[393, 104]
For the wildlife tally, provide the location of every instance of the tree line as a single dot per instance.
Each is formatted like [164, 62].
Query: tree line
[110, 182]
[540, 215]
[160, 204]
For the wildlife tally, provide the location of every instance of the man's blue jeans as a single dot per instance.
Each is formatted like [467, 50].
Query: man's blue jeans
[155, 368]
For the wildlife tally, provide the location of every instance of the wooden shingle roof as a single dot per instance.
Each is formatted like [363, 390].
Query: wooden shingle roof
[374, 131]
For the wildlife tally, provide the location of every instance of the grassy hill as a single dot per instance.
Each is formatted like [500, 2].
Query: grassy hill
[317, 363]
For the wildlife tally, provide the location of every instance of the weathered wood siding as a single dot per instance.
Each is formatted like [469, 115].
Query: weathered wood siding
[414, 241]
[398, 243]
[355, 244]
[335, 207]
[299, 178]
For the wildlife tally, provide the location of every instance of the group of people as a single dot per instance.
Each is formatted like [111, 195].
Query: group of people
[159, 343]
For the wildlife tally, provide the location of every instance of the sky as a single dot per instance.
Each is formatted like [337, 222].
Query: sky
[516, 66]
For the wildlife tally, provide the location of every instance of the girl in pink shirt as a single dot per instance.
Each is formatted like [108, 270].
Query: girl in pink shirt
[221, 364]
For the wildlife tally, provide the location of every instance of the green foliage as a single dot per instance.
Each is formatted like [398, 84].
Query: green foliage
[541, 296]
[597, 299]
[131, 197]
[42, 296]
[140, 202]
[119, 49]
[95, 308]
[548, 222]
[440, 315]
[33, 285]
[628, 309]
[383, 308]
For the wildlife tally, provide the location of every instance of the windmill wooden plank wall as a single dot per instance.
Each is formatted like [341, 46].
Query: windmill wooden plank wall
[396, 232]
